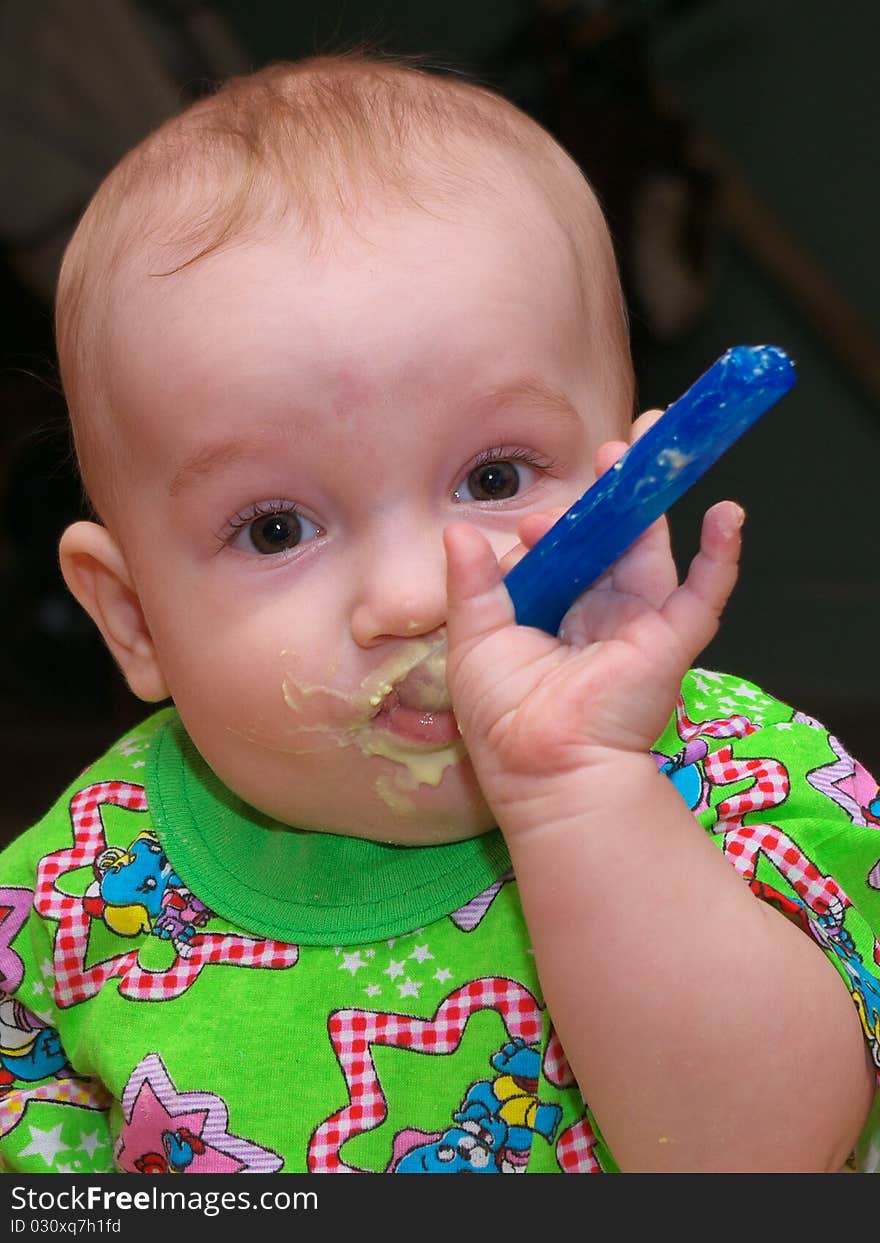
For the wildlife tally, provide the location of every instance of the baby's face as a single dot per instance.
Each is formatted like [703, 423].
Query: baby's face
[296, 431]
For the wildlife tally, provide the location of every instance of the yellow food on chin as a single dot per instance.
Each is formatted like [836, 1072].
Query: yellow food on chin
[423, 767]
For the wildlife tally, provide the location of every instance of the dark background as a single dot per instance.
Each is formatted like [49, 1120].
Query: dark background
[733, 143]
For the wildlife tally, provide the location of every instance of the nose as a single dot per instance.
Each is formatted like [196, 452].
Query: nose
[400, 588]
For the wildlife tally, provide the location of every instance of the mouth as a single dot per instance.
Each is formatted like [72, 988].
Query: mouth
[415, 723]
[414, 706]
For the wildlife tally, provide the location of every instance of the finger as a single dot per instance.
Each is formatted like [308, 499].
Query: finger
[532, 528]
[535, 526]
[646, 574]
[642, 423]
[607, 454]
[647, 568]
[477, 601]
[694, 609]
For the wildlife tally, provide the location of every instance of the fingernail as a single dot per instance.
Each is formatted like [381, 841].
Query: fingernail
[733, 520]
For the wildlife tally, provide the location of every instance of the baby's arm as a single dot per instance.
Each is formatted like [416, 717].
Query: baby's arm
[693, 1014]
[52, 1118]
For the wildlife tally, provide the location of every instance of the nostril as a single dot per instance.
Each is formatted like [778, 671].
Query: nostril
[382, 619]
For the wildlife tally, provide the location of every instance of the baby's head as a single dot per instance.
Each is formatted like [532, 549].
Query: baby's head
[301, 328]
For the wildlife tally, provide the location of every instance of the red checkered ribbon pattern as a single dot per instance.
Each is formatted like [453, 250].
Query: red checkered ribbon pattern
[768, 788]
[352, 1032]
[719, 727]
[576, 1145]
[576, 1149]
[74, 981]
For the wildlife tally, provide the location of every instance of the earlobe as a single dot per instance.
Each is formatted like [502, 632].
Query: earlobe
[97, 575]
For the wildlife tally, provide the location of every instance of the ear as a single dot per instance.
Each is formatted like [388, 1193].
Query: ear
[97, 575]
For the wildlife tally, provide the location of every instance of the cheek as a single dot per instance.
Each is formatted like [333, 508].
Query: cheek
[274, 687]
[317, 703]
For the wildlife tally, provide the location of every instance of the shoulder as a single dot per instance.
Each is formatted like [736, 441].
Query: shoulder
[710, 694]
[751, 719]
[116, 777]
[793, 812]
[726, 707]
[735, 750]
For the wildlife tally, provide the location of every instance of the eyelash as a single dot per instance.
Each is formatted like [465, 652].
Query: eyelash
[527, 457]
[511, 455]
[261, 509]
[485, 458]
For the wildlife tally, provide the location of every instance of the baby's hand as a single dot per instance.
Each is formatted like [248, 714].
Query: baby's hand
[533, 707]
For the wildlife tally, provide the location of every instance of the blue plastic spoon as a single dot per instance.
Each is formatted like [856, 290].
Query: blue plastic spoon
[689, 438]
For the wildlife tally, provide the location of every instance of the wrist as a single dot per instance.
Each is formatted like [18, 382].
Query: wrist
[588, 790]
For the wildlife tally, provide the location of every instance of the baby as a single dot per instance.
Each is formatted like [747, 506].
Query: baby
[393, 884]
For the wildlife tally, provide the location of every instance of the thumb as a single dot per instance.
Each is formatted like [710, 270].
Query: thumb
[477, 600]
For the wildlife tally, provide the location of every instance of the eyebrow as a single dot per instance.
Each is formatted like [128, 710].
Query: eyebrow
[531, 393]
[207, 460]
[534, 394]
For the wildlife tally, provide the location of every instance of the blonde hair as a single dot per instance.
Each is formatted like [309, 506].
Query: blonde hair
[317, 139]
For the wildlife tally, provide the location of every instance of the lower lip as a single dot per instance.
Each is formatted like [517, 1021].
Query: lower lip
[414, 725]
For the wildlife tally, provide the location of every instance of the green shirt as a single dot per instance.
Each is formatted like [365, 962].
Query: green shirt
[190, 987]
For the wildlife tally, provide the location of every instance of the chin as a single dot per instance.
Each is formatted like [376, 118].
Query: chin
[424, 816]
[428, 834]
[421, 822]
[381, 801]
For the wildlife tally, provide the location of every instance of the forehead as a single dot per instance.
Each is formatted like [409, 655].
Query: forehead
[400, 304]
[275, 272]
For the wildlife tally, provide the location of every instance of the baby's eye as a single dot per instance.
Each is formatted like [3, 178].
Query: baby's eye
[270, 529]
[497, 478]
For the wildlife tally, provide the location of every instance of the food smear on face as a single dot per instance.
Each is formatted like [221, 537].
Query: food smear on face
[328, 732]
[400, 804]
[401, 712]
[423, 767]
[412, 723]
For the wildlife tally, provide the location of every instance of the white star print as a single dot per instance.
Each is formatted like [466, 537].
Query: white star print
[394, 969]
[420, 953]
[47, 970]
[747, 692]
[91, 1142]
[409, 988]
[352, 962]
[46, 1144]
[442, 974]
[372, 990]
